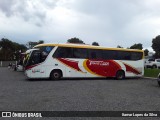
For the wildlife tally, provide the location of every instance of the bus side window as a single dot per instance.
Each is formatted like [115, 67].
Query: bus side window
[136, 56]
[63, 52]
[80, 53]
[123, 55]
[109, 54]
[95, 54]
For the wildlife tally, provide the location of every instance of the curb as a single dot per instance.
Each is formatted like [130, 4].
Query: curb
[150, 78]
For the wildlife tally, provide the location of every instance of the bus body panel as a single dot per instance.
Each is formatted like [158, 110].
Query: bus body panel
[44, 70]
[81, 67]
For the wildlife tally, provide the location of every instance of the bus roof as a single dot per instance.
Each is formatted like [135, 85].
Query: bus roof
[86, 46]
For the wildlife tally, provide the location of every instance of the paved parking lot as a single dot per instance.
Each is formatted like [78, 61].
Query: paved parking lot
[19, 94]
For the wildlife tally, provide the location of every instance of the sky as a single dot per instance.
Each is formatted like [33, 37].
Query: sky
[108, 22]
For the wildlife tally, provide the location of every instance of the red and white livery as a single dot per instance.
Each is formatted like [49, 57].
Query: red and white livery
[71, 60]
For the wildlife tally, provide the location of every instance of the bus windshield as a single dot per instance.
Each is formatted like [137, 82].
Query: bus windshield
[37, 55]
[45, 49]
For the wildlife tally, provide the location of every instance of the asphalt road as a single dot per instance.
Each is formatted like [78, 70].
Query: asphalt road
[19, 94]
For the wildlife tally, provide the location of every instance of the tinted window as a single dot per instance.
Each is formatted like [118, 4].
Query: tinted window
[158, 60]
[80, 53]
[136, 55]
[46, 49]
[95, 54]
[35, 58]
[123, 55]
[151, 60]
[109, 54]
[63, 52]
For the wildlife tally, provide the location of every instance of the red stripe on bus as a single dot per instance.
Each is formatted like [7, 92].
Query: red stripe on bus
[131, 69]
[72, 64]
[32, 66]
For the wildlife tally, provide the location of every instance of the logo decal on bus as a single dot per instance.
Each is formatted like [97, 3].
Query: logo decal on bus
[35, 70]
[101, 68]
[101, 63]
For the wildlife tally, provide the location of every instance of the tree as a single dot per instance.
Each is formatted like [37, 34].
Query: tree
[137, 46]
[10, 50]
[40, 41]
[156, 46]
[146, 51]
[6, 47]
[95, 43]
[75, 40]
[118, 46]
[31, 44]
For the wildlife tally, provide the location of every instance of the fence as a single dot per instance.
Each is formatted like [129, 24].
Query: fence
[6, 63]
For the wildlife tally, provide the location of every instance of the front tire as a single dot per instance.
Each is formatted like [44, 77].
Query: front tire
[120, 75]
[56, 75]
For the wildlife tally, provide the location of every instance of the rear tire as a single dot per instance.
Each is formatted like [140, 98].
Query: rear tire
[154, 66]
[158, 80]
[120, 75]
[159, 83]
[56, 75]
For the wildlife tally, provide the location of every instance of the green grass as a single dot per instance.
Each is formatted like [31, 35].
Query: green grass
[151, 72]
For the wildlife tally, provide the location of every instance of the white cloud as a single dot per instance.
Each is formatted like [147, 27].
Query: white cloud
[108, 22]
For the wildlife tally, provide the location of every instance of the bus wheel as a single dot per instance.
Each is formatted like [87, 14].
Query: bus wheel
[56, 75]
[159, 83]
[120, 75]
[158, 80]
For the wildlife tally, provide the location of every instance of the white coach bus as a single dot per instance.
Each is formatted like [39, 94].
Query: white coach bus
[55, 61]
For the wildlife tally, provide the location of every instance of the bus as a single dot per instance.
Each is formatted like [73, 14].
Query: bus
[68, 60]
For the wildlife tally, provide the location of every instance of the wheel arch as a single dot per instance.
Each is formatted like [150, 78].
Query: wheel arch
[54, 71]
[154, 65]
[120, 71]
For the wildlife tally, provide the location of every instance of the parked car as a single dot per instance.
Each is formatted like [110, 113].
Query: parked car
[19, 68]
[158, 80]
[152, 63]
